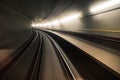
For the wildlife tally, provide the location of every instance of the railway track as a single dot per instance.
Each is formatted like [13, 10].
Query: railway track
[46, 56]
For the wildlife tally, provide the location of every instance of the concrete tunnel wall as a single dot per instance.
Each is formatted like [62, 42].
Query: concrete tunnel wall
[14, 29]
[11, 20]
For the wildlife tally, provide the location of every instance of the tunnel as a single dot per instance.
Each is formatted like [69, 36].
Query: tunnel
[59, 39]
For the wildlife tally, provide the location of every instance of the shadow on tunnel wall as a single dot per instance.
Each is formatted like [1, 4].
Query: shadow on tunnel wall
[13, 26]
[14, 29]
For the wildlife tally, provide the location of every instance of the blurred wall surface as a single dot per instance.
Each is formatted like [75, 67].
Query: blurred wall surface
[106, 23]
[14, 28]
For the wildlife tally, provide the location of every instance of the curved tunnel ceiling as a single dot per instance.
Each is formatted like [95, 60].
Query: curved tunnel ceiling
[40, 10]
[47, 8]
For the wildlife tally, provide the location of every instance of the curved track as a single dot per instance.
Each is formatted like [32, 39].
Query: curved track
[48, 57]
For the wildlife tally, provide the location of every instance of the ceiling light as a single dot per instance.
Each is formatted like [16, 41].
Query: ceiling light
[106, 5]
